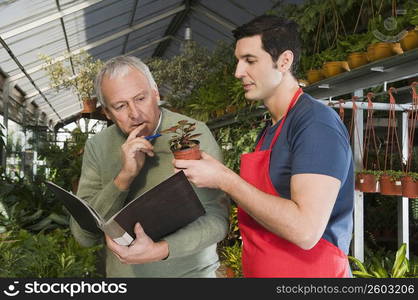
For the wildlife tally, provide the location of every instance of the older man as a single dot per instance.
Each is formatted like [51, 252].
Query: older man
[120, 164]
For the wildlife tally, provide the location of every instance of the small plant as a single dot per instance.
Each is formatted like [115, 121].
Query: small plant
[383, 267]
[394, 175]
[413, 175]
[182, 137]
[376, 173]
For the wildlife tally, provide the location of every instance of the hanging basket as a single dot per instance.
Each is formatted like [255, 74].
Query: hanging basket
[366, 183]
[409, 187]
[389, 186]
[314, 76]
[380, 51]
[333, 68]
[357, 59]
[89, 105]
[410, 40]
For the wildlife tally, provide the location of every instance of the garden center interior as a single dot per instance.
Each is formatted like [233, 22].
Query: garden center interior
[359, 57]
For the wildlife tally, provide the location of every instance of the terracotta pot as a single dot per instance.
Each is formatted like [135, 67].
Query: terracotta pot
[381, 50]
[389, 187]
[314, 76]
[188, 154]
[357, 59]
[333, 68]
[409, 187]
[410, 40]
[89, 105]
[396, 48]
[229, 272]
[366, 183]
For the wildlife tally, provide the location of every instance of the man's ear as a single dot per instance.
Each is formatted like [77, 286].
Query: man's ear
[285, 61]
[156, 94]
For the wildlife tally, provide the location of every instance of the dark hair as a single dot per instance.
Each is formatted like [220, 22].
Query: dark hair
[277, 35]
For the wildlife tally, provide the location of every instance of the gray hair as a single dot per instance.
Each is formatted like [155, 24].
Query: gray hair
[117, 67]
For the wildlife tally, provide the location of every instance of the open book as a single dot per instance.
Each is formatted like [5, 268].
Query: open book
[165, 208]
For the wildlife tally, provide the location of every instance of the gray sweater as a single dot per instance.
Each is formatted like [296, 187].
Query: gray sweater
[192, 248]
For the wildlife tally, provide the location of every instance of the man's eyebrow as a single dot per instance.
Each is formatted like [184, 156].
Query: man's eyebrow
[248, 56]
[141, 93]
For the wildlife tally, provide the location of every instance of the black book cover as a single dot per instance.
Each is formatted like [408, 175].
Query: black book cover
[165, 208]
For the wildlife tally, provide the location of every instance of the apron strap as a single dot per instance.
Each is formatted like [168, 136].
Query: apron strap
[276, 135]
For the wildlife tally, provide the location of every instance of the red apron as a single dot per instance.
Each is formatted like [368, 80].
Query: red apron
[266, 254]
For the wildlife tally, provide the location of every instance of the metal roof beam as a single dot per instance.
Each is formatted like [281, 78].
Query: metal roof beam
[125, 44]
[50, 18]
[214, 16]
[172, 29]
[106, 40]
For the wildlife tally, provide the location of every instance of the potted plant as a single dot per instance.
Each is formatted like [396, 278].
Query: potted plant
[356, 45]
[410, 39]
[334, 62]
[390, 182]
[366, 180]
[182, 142]
[314, 71]
[410, 185]
[81, 81]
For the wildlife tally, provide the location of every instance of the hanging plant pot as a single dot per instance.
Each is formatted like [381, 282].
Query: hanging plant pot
[192, 153]
[89, 105]
[333, 68]
[409, 187]
[380, 51]
[314, 76]
[389, 186]
[366, 183]
[357, 59]
[410, 40]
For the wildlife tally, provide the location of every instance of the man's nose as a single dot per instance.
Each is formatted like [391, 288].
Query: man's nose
[134, 112]
[239, 71]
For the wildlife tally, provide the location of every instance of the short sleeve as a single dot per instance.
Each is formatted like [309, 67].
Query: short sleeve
[321, 149]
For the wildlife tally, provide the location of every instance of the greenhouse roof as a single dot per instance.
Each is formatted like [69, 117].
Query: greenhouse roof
[104, 28]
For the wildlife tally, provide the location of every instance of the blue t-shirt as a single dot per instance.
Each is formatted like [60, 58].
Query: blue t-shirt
[314, 140]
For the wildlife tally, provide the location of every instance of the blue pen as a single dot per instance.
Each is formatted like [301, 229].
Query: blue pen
[150, 137]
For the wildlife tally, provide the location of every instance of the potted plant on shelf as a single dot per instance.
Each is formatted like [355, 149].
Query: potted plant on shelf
[81, 81]
[183, 143]
[334, 62]
[356, 45]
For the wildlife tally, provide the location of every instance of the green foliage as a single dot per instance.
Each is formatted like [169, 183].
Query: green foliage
[238, 139]
[376, 173]
[384, 265]
[413, 175]
[29, 205]
[64, 163]
[182, 137]
[181, 73]
[357, 42]
[42, 255]
[61, 75]
[231, 257]
[394, 175]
